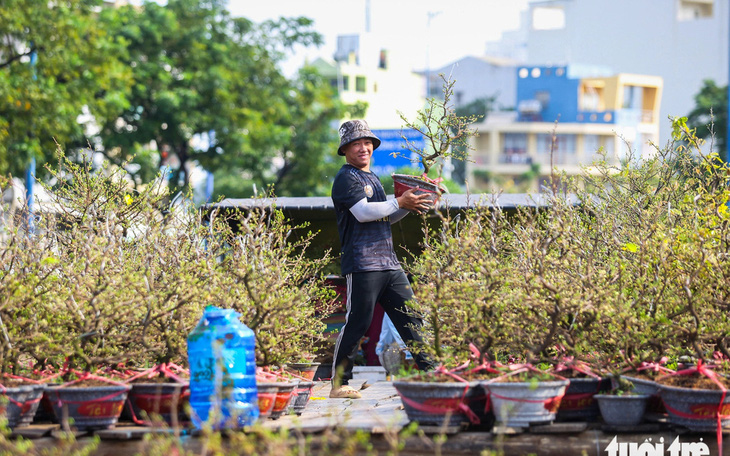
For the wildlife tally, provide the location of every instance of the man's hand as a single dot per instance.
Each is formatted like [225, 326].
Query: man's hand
[416, 203]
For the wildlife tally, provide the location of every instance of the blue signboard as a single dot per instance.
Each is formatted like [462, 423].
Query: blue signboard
[384, 163]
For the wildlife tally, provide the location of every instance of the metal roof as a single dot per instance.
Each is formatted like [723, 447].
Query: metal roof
[457, 201]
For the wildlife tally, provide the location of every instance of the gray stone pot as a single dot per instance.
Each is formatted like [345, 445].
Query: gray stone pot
[21, 404]
[700, 404]
[433, 403]
[519, 404]
[88, 407]
[655, 408]
[306, 370]
[303, 392]
[625, 410]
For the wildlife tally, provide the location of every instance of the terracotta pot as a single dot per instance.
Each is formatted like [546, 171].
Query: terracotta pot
[22, 404]
[266, 398]
[283, 397]
[90, 407]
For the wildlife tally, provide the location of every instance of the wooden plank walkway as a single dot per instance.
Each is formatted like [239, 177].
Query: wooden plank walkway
[378, 410]
[380, 413]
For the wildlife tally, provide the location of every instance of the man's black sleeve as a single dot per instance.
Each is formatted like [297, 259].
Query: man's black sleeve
[347, 190]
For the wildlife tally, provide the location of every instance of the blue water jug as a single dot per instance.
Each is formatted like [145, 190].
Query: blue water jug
[222, 371]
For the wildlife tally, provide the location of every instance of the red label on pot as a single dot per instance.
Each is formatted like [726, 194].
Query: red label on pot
[101, 409]
[160, 404]
[443, 403]
[709, 410]
[576, 401]
[282, 400]
[265, 401]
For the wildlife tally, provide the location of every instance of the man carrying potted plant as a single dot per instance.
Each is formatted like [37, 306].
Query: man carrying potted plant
[369, 263]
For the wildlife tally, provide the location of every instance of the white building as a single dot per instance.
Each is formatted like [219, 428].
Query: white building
[362, 70]
[478, 77]
[682, 41]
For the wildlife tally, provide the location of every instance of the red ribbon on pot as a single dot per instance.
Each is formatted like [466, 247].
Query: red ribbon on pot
[20, 405]
[436, 181]
[656, 367]
[570, 363]
[706, 371]
[153, 371]
[88, 376]
[461, 407]
[550, 403]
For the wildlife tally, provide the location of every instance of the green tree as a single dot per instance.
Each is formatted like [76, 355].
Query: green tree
[479, 107]
[55, 59]
[709, 116]
[309, 158]
[201, 74]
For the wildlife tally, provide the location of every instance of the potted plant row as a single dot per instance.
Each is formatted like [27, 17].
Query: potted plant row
[114, 280]
[598, 279]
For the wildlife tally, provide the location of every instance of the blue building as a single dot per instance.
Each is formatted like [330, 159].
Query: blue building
[566, 117]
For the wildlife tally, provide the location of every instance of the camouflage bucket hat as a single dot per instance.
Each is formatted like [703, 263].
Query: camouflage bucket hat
[352, 130]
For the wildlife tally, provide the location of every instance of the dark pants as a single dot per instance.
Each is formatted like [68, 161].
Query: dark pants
[392, 290]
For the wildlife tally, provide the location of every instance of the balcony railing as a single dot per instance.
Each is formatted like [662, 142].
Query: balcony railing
[559, 158]
[515, 158]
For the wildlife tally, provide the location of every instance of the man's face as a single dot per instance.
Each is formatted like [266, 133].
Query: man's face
[358, 153]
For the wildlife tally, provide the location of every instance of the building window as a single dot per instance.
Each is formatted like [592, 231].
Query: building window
[591, 143]
[633, 97]
[360, 85]
[514, 149]
[345, 83]
[383, 59]
[590, 99]
[563, 151]
[690, 10]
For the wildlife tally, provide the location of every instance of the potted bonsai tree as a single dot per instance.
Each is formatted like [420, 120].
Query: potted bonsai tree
[91, 318]
[446, 135]
[281, 294]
